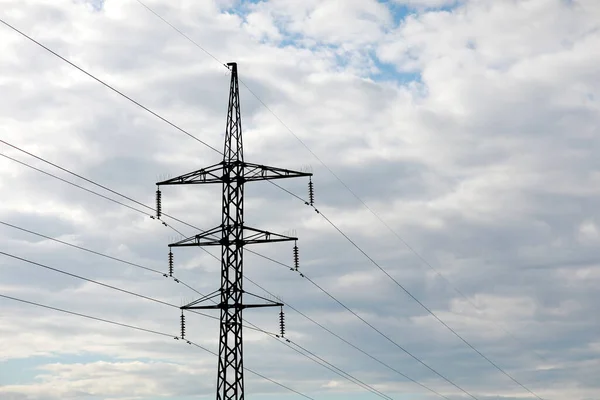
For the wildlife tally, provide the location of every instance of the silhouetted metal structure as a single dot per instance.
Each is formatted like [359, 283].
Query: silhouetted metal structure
[231, 235]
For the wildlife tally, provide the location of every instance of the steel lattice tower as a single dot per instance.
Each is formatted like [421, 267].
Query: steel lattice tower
[231, 235]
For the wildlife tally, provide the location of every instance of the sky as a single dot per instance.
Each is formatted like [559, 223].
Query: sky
[468, 128]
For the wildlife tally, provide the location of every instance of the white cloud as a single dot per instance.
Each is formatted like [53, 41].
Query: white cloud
[487, 165]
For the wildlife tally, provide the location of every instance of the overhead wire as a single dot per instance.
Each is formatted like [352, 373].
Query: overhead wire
[62, 310]
[287, 266]
[108, 86]
[387, 337]
[96, 193]
[419, 302]
[216, 150]
[326, 364]
[355, 195]
[60, 271]
[71, 183]
[201, 294]
[414, 298]
[132, 264]
[87, 180]
[350, 343]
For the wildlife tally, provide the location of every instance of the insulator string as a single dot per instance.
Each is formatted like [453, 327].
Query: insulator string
[182, 325]
[282, 322]
[296, 257]
[158, 204]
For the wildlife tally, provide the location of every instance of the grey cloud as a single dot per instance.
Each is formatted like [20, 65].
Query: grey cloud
[495, 198]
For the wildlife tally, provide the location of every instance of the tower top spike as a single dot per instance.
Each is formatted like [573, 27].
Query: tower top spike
[233, 150]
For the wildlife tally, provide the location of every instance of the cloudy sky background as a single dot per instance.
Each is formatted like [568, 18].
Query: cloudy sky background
[469, 127]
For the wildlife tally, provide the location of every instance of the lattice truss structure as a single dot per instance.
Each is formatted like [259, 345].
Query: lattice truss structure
[231, 235]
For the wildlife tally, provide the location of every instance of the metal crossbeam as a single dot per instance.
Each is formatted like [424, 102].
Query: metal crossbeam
[218, 174]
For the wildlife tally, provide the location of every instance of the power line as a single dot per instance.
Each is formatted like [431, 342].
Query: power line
[72, 184]
[97, 194]
[334, 368]
[305, 145]
[410, 294]
[104, 197]
[350, 343]
[249, 250]
[214, 149]
[209, 316]
[148, 331]
[389, 339]
[182, 33]
[383, 334]
[120, 289]
[101, 283]
[108, 86]
[326, 364]
[87, 180]
[249, 325]
[123, 95]
[404, 242]
[425, 307]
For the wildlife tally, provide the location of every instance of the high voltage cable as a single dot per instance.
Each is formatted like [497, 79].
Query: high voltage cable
[96, 193]
[104, 284]
[181, 33]
[302, 142]
[148, 331]
[279, 263]
[108, 86]
[249, 250]
[355, 195]
[71, 183]
[324, 363]
[214, 149]
[433, 314]
[201, 294]
[351, 344]
[87, 180]
[252, 326]
[377, 330]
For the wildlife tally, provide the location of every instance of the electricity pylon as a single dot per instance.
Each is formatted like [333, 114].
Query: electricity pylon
[231, 235]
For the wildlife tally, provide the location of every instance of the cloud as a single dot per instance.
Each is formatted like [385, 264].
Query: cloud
[485, 164]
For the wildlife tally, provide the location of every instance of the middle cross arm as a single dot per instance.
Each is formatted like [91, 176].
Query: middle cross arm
[256, 172]
[215, 237]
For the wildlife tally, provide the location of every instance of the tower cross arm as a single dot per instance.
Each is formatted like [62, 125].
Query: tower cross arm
[211, 174]
[219, 236]
[217, 173]
[211, 237]
[257, 172]
[256, 236]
